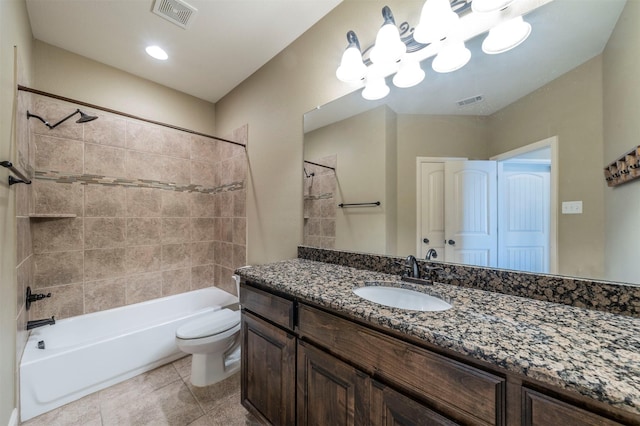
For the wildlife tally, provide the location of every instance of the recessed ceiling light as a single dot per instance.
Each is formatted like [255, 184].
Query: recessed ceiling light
[157, 52]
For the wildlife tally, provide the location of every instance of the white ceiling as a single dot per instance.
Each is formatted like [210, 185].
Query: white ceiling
[565, 34]
[203, 59]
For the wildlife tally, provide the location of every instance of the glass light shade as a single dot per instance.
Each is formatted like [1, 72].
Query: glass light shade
[452, 57]
[506, 36]
[436, 22]
[157, 53]
[487, 6]
[351, 68]
[388, 48]
[409, 75]
[376, 88]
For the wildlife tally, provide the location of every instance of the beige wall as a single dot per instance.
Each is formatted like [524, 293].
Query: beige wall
[273, 101]
[14, 31]
[64, 73]
[621, 67]
[360, 145]
[569, 107]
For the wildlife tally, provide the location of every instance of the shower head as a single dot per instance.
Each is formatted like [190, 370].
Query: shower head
[83, 118]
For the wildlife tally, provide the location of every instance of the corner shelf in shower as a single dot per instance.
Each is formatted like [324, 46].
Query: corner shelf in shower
[51, 215]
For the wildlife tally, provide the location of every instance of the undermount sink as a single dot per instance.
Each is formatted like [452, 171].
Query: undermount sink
[402, 298]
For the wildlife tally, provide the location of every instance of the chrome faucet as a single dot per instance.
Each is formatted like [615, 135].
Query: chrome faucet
[413, 269]
[40, 323]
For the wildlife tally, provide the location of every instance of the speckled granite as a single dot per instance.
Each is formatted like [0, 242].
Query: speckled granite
[594, 353]
[600, 295]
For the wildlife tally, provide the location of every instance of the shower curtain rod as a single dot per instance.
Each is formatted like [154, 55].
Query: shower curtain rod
[321, 165]
[124, 114]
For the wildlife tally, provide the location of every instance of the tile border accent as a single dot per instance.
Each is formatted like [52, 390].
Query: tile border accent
[616, 298]
[86, 179]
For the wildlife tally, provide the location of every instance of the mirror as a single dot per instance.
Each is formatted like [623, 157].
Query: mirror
[559, 85]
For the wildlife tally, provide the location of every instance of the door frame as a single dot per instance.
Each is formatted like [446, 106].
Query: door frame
[419, 162]
[551, 143]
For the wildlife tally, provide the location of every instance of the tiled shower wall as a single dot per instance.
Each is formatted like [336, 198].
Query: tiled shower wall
[320, 203]
[153, 211]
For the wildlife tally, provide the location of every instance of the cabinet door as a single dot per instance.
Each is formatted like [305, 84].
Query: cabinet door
[543, 410]
[330, 392]
[268, 371]
[390, 408]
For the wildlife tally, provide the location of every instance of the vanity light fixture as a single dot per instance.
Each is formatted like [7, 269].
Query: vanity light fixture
[157, 52]
[399, 49]
[506, 36]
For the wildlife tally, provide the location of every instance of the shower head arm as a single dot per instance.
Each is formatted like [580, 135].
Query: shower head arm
[83, 118]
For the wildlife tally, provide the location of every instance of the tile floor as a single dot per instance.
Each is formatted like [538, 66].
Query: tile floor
[164, 396]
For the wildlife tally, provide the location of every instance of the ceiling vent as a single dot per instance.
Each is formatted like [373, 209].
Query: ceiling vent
[175, 11]
[471, 100]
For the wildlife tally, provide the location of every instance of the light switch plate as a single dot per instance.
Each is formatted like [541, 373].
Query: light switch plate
[572, 207]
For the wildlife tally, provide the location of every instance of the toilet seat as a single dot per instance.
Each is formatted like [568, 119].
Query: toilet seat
[210, 324]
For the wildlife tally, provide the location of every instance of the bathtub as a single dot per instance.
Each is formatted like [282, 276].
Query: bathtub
[90, 352]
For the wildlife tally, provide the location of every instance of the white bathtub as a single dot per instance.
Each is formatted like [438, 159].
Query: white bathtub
[90, 352]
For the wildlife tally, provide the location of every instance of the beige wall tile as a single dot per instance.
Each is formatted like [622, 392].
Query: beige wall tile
[52, 269]
[202, 204]
[176, 256]
[176, 144]
[106, 130]
[203, 174]
[224, 169]
[239, 203]
[140, 165]
[175, 170]
[176, 230]
[145, 138]
[104, 201]
[104, 263]
[224, 229]
[239, 256]
[176, 281]
[104, 160]
[52, 198]
[57, 234]
[239, 230]
[54, 111]
[62, 155]
[202, 253]
[24, 278]
[143, 231]
[144, 202]
[224, 204]
[204, 149]
[224, 280]
[104, 232]
[144, 287]
[202, 276]
[65, 301]
[176, 204]
[224, 254]
[104, 294]
[202, 229]
[24, 240]
[143, 259]
[24, 197]
[239, 169]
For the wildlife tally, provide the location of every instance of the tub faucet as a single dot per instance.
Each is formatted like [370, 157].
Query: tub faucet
[40, 322]
[431, 254]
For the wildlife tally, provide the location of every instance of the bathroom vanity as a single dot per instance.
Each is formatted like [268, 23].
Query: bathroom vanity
[316, 353]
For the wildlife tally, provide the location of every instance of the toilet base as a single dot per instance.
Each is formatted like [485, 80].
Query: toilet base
[207, 370]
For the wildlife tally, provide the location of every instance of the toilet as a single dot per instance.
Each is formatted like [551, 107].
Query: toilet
[214, 341]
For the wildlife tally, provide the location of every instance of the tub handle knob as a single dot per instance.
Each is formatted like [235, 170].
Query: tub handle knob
[33, 297]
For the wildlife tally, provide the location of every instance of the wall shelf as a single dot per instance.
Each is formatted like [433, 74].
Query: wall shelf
[51, 215]
[624, 169]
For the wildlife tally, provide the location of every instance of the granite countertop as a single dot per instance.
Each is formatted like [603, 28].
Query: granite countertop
[594, 353]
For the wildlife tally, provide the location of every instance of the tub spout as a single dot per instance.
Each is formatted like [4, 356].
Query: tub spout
[40, 322]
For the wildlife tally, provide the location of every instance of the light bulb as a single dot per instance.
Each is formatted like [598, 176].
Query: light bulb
[376, 88]
[452, 57]
[506, 36]
[437, 20]
[409, 75]
[487, 6]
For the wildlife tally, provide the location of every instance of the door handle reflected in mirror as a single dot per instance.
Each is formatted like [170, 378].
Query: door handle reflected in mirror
[425, 240]
[450, 242]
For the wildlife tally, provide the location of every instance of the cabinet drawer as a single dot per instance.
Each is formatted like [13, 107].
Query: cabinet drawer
[273, 308]
[542, 410]
[464, 393]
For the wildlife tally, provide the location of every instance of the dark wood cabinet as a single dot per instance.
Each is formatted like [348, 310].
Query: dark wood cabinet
[268, 371]
[543, 410]
[330, 392]
[391, 408]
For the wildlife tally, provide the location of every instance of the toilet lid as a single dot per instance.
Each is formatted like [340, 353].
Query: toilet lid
[209, 324]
